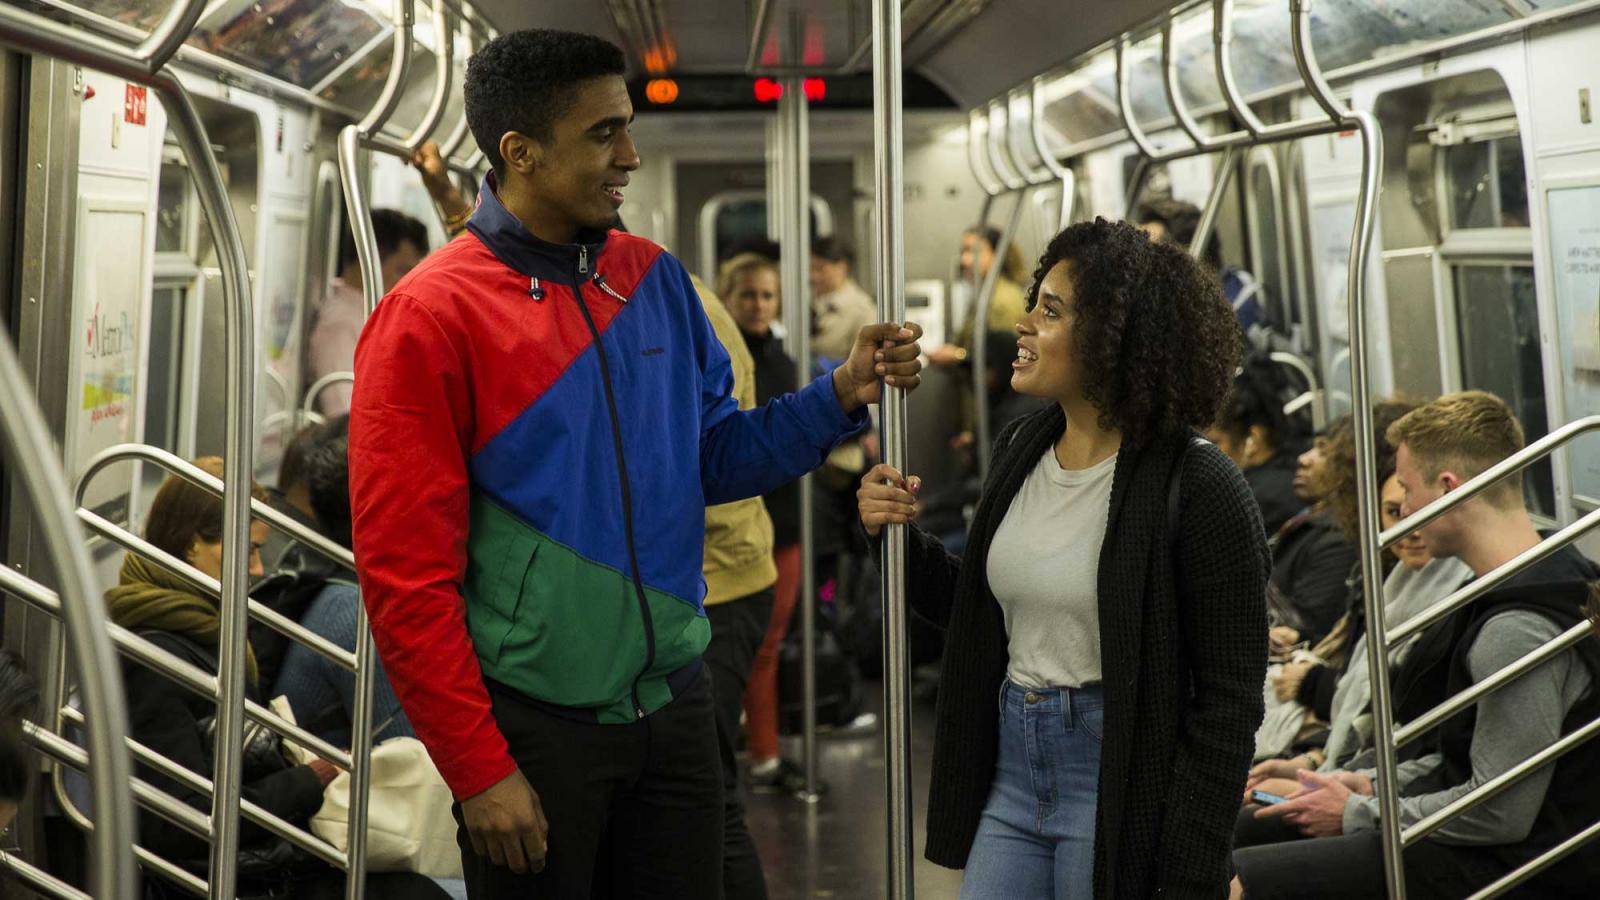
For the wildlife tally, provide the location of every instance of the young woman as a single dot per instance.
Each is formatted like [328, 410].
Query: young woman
[749, 287]
[1102, 681]
[186, 521]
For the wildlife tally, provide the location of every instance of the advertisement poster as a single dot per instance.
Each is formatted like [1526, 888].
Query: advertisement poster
[1575, 259]
[108, 298]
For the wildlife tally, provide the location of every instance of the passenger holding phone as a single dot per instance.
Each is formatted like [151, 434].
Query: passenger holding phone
[1102, 680]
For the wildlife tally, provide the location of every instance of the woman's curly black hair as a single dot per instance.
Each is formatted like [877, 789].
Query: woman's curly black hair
[1157, 341]
[1257, 398]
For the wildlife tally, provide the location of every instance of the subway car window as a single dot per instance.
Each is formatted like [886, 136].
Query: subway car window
[1488, 185]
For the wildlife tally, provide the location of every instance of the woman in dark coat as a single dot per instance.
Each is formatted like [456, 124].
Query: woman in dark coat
[1107, 624]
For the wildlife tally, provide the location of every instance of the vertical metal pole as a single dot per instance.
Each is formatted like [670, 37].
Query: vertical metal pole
[236, 484]
[1219, 189]
[794, 192]
[888, 162]
[34, 463]
[1387, 790]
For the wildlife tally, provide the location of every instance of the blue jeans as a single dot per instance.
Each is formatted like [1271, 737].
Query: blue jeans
[1036, 838]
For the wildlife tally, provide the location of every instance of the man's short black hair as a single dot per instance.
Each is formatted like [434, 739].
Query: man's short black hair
[523, 82]
[394, 228]
[833, 249]
[327, 476]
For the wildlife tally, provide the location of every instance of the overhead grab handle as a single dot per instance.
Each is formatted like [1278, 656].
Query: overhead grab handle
[1069, 183]
[1306, 60]
[1125, 102]
[1222, 47]
[994, 139]
[444, 48]
[977, 157]
[404, 15]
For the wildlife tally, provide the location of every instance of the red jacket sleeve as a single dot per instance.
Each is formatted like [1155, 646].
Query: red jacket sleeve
[410, 437]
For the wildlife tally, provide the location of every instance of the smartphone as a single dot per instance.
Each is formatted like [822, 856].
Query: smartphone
[1266, 799]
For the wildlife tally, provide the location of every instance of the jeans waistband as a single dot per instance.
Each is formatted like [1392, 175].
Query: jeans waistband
[1055, 699]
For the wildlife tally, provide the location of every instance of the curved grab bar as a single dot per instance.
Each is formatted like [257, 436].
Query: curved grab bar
[404, 16]
[1222, 48]
[169, 34]
[1068, 179]
[1169, 83]
[1035, 175]
[999, 146]
[35, 465]
[1125, 102]
[309, 405]
[987, 181]
[980, 335]
[1306, 61]
[1313, 385]
[458, 134]
[444, 70]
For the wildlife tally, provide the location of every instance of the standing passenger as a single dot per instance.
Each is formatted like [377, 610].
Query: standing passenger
[839, 306]
[1102, 677]
[542, 414]
[750, 288]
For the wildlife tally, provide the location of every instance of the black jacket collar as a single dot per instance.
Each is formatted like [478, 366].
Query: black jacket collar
[513, 244]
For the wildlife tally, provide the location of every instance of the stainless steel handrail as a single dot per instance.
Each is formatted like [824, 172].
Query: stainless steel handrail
[1125, 103]
[1501, 677]
[39, 879]
[1539, 863]
[1222, 49]
[200, 478]
[1497, 785]
[314, 392]
[1035, 176]
[157, 801]
[210, 587]
[993, 138]
[404, 15]
[1064, 174]
[1219, 190]
[459, 133]
[1169, 84]
[443, 73]
[1480, 586]
[793, 136]
[252, 812]
[1313, 384]
[169, 34]
[888, 163]
[33, 455]
[977, 158]
[36, 34]
[182, 672]
[980, 335]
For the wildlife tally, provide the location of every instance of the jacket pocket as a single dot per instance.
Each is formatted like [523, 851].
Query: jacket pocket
[500, 552]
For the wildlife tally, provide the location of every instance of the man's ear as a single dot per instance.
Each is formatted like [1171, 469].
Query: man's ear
[1450, 481]
[522, 154]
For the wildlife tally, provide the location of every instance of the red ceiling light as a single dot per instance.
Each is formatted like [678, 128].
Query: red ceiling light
[767, 90]
[816, 89]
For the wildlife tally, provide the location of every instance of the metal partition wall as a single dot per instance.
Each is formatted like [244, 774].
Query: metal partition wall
[888, 164]
[146, 65]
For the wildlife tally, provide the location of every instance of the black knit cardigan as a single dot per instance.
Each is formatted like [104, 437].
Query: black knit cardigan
[1183, 667]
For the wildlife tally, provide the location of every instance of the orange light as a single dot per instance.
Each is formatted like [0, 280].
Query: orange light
[661, 91]
[767, 90]
[815, 88]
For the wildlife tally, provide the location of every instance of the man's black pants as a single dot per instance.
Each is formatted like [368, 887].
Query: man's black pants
[737, 629]
[1275, 862]
[635, 810]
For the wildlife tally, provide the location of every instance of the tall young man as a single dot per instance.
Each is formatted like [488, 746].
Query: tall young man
[541, 415]
[1439, 446]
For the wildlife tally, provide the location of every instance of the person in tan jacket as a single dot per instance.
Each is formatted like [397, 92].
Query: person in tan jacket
[739, 574]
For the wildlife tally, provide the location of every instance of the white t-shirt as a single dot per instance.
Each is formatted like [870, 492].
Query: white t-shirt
[1044, 566]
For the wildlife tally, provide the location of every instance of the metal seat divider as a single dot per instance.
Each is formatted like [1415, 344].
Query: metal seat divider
[1255, 132]
[32, 33]
[251, 811]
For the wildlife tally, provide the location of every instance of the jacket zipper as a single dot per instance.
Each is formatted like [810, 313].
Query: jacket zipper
[622, 475]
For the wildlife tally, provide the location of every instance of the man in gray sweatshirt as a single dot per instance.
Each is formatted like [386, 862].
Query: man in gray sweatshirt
[1440, 446]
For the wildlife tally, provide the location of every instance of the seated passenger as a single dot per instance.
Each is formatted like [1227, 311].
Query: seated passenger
[1311, 559]
[402, 243]
[1263, 442]
[1175, 221]
[178, 723]
[1439, 447]
[19, 699]
[320, 691]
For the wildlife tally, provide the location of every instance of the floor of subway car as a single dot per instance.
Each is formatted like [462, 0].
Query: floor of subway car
[835, 848]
